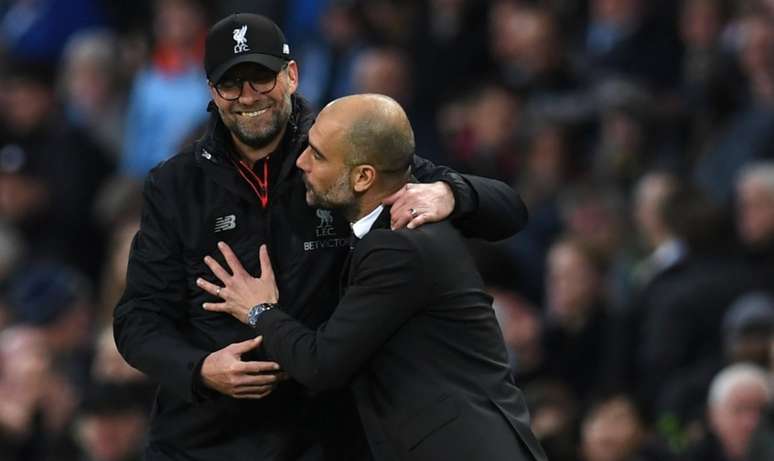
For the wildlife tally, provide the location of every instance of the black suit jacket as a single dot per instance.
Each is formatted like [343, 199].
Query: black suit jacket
[416, 339]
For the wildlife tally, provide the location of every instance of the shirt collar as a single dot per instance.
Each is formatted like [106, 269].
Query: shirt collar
[668, 253]
[364, 224]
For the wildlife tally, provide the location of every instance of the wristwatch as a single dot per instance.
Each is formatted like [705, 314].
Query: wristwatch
[256, 311]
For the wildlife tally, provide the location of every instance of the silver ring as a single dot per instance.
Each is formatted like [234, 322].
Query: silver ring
[217, 292]
[413, 212]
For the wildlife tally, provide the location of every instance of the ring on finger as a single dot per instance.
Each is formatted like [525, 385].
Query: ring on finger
[217, 292]
[413, 212]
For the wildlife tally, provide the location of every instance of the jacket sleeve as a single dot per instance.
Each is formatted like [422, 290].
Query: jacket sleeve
[385, 293]
[148, 319]
[484, 208]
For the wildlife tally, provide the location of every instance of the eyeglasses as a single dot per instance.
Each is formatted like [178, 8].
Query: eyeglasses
[261, 81]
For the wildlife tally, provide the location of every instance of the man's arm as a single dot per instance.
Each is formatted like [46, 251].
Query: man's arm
[385, 293]
[148, 318]
[387, 290]
[479, 207]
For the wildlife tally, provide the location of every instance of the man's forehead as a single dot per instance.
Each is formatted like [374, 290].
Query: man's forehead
[322, 126]
[325, 130]
[313, 132]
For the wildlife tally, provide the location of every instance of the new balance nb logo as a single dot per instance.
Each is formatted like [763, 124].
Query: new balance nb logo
[225, 223]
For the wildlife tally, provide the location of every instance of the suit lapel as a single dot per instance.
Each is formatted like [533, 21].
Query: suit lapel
[345, 278]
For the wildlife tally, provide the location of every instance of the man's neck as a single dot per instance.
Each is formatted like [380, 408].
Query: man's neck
[362, 208]
[659, 238]
[368, 203]
[253, 154]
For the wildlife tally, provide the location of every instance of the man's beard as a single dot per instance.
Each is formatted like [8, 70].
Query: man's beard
[264, 136]
[339, 196]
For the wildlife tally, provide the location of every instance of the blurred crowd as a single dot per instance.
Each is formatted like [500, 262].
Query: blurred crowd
[638, 304]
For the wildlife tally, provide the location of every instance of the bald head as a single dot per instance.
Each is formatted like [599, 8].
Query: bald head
[376, 131]
[360, 151]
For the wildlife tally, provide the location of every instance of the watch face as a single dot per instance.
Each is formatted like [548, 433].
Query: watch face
[256, 311]
[252, 315]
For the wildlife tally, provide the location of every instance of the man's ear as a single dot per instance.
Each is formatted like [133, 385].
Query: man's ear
[362, 178]
[213, 92]
[292, 76]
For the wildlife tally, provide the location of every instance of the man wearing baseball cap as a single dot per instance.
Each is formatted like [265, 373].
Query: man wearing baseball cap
[218, 397]
[229, 44]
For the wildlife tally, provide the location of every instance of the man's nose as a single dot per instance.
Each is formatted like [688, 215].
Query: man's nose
[248, 94]
[301, 160]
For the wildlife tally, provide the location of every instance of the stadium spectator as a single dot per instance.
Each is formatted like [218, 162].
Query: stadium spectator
[93, 94]
[167, 96]
[737, 397]
[577, 323]
[50, 172]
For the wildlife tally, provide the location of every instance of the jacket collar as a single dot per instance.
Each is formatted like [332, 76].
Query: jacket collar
[211, 151]
[384, 220]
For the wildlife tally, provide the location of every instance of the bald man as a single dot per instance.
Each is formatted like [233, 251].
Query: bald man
[414, 334]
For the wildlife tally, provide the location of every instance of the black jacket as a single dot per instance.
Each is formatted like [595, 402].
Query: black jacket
[191, 202]
[416, 336]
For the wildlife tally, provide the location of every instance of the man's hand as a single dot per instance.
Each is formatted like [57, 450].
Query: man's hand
[241, 291]
[225, 372]
[417, 204]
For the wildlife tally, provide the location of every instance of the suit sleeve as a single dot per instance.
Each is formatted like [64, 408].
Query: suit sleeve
[484, 208]
[147, 320]
[386, 291]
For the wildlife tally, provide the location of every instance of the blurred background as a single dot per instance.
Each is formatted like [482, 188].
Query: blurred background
[637, 305]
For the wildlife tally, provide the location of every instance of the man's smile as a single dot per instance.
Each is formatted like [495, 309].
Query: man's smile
[252, 113]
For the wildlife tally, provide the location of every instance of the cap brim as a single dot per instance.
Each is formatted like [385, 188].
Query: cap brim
[271, 62]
